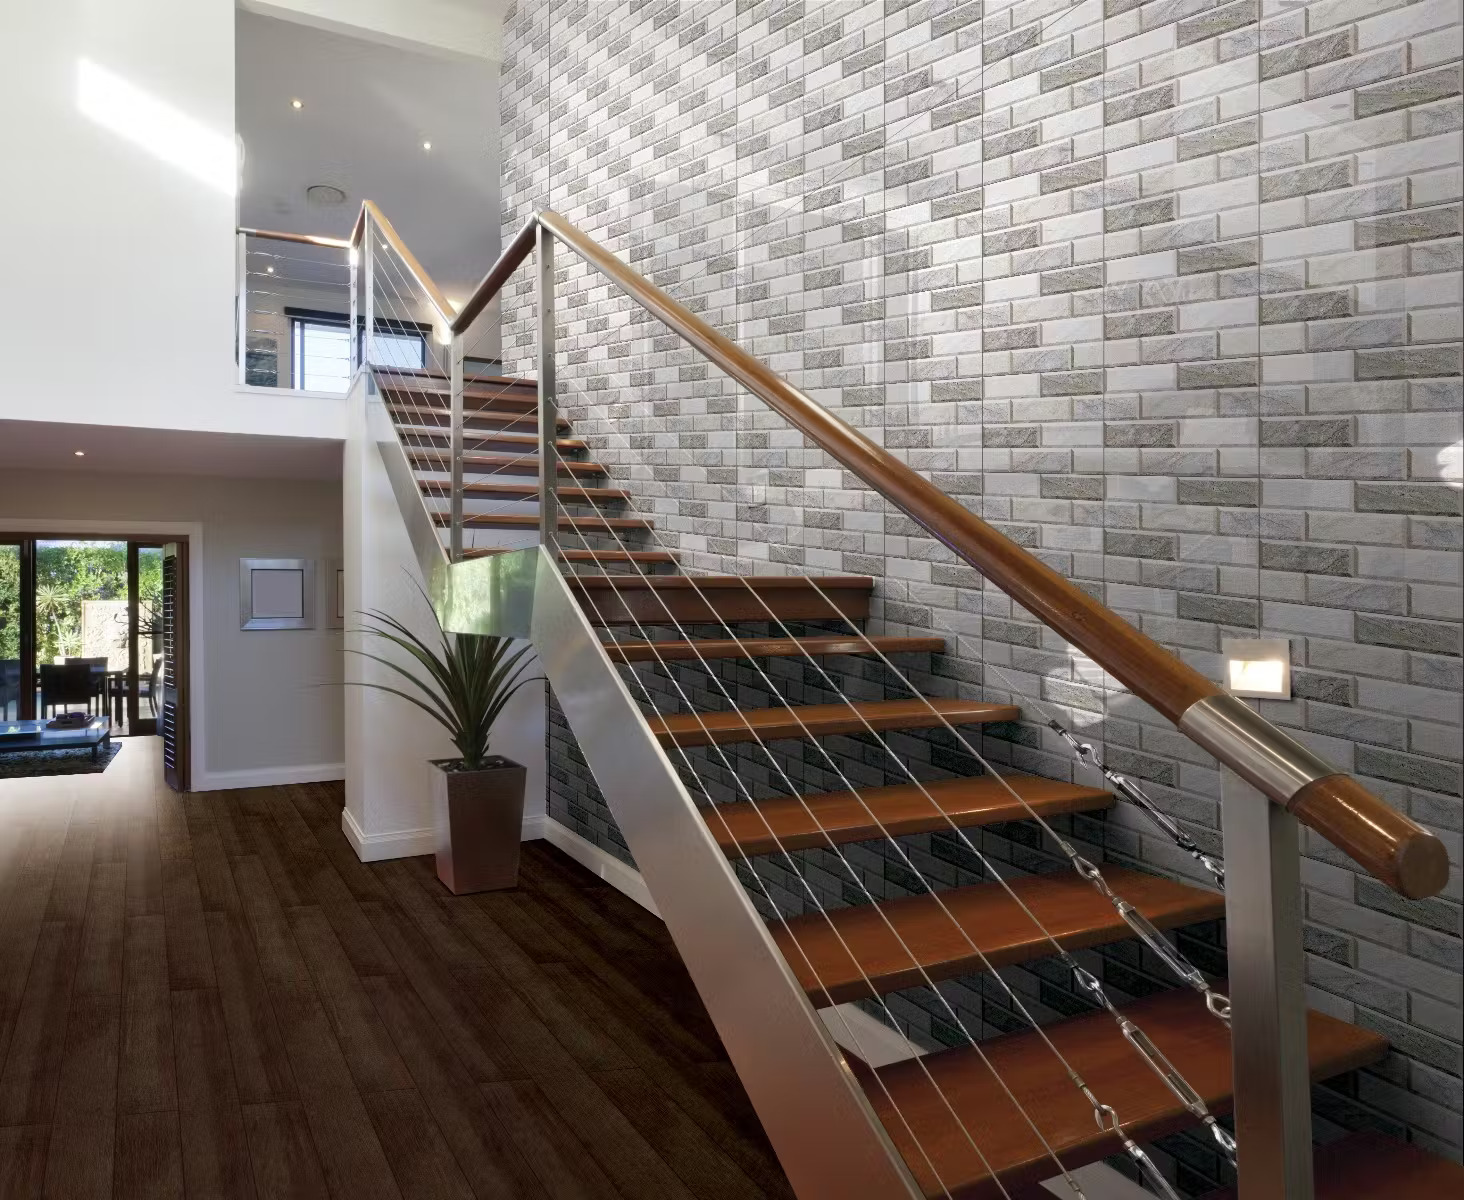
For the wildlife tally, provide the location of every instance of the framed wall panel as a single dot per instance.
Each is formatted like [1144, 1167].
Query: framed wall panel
[276, 593]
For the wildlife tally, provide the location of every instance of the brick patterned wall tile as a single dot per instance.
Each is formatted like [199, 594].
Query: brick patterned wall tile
[1168, 292]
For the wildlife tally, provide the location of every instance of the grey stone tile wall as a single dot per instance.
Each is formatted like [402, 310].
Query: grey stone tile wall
[1167, 291]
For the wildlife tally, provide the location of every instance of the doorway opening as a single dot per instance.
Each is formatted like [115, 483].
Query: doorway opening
[94, 626]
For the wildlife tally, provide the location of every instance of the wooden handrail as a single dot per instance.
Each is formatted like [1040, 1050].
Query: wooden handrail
[305, 239]
[441, 303]
[1396, 849]
[1140, 663]
[1393, 847]
[491, 284]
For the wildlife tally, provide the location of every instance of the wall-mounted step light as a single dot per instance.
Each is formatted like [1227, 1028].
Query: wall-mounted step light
[1258, 668]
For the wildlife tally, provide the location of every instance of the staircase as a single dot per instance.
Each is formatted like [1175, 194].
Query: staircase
[987, 1117]
[501, 467]
[868, 951]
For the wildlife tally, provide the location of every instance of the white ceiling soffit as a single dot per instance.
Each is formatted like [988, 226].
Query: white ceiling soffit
[466, 28]
[125, 450]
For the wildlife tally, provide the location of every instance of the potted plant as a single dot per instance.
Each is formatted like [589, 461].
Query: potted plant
[463, 683]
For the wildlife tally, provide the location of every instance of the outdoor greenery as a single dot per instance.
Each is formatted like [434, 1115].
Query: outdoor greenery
[9, 602]
[66, 574]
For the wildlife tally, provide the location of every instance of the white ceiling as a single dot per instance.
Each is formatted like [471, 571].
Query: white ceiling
[453, 27]
[111, 449]
[367, 109]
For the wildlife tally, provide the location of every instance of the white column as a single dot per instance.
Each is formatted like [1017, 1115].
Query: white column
[389, 742]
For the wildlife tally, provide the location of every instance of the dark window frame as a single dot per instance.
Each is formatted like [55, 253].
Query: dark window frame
[301, 317]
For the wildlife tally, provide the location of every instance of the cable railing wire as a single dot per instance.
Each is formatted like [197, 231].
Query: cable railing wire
[1217, 1004]
[1131, 1032]
[1135, 1037]
[854, 876]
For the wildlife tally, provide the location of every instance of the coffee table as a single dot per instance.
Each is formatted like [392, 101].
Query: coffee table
[16, 736]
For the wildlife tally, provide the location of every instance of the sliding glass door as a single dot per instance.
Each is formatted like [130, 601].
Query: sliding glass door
[11, 673]
[73, 606]
[145, 692]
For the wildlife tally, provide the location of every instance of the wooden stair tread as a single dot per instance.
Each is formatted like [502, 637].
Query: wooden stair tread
[515, 439]
[531, 521]
[495, 464]
[525, 416]
[426, 381]
[940, 1151]
[822, 720]
[509, 391]
[529, 491]
[1365, 1165]
[627, 652]
[711, 599]
[854, 954]
[762, 583]
[797, 823]
[600, 556]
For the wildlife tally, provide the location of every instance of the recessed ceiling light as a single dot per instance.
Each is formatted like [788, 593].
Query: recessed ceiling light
[79, 453]
[324, 195]
[297, 104]
[426, 145]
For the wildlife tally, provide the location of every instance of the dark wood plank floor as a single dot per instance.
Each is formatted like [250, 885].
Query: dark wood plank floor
[210, 996]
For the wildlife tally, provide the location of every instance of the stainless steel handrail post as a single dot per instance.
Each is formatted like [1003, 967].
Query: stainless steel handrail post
[455, 535]
[353, 260]
[548, 410]
[242, 302]
[368, 291]
[1263, 905]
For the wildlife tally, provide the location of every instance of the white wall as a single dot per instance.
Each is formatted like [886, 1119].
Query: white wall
[121, 178]
[120, 221]
[389, 743]
[266, 705]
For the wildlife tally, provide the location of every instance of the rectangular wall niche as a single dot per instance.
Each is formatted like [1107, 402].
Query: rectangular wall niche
[276, 593]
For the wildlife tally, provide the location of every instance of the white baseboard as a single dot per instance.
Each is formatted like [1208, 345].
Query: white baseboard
[408, 843]
[624, 879]
[398, 843]
[222, 781]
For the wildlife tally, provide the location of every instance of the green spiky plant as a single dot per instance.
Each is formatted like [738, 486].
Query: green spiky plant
[464, 684]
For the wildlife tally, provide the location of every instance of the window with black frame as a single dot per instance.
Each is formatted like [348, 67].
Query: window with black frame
[320, 348]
